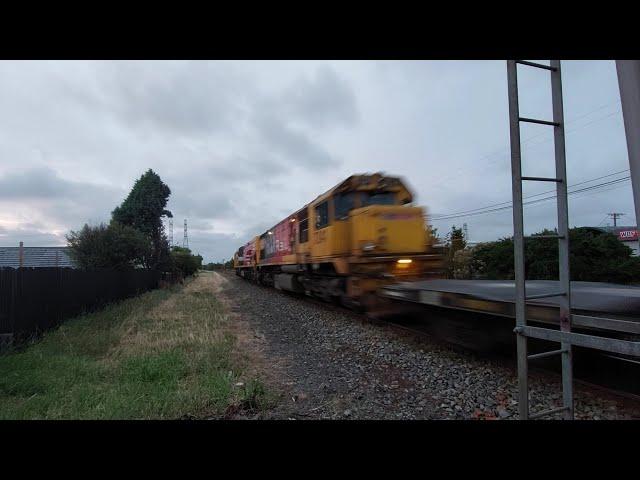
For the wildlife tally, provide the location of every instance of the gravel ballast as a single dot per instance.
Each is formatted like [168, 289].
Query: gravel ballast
[330, 363]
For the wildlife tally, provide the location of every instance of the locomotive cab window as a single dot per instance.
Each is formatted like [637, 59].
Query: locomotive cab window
[303, 226]
[322, 215]
[343, 204]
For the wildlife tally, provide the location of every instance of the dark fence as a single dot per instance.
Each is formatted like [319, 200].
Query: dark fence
[36, 299]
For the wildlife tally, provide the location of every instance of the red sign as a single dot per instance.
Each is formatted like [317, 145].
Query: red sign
[627, 235]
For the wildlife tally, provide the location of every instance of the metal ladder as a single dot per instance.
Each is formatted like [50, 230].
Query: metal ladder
[564, 294]
[564, 335]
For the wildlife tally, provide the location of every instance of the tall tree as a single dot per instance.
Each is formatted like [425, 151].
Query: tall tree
[143, 210]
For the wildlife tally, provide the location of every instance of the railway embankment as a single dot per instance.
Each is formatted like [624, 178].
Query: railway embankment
[328, 363]
[166, 354]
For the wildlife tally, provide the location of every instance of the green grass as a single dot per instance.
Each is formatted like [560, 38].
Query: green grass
[165, 354]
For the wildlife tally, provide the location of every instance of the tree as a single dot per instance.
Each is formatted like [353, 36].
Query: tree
[455, 242]
[184, 262]
[143, 210]
[594, 256]
[109, 246]
[432, 235]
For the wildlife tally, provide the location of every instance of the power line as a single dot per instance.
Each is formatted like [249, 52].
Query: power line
[603, 219]
[509, 202]
[508, 207]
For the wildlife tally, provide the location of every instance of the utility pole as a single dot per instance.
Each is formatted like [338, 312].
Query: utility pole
[615, 217]
[629, 84]
[170, 232]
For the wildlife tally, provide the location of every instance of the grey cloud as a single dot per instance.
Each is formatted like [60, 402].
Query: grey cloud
[188, 97]
[62, 201]
[32, 235]
[214, 246]
[293, 143]
[44, 183]
[323, 101]
[203, 204]
[35, 183]
[252, 166]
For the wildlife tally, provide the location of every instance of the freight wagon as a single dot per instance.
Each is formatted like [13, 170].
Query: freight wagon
[360, 235]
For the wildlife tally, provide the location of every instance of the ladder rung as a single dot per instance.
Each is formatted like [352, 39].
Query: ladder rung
[551, 411]
[544, 236]
[606, 344]
[535, 120]
[546, 354]
[604, 323]
[545, 295]
[537, 65]
[542, 179]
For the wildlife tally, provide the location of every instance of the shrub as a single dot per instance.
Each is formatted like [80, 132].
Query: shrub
[595, 256]
[109, 246]
[184, 262]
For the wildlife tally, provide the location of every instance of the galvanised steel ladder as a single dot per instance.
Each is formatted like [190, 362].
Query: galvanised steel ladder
[564, 293]
[564, 335]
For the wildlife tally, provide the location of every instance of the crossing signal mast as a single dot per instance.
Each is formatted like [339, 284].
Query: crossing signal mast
[185, 239]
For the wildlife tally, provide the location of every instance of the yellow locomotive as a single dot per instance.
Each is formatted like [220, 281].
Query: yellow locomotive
[361, 234]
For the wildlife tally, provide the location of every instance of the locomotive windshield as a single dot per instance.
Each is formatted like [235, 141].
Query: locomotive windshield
[345, 202]
[378, 198]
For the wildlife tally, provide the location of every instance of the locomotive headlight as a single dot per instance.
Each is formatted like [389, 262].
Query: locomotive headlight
[404, 260]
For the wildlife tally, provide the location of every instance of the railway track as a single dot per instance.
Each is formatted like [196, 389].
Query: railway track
[616, 381]
[591, 384]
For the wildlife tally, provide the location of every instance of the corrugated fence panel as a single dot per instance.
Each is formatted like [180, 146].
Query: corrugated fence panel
[37, 299]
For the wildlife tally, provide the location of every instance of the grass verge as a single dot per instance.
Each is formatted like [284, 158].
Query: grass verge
[166, 354]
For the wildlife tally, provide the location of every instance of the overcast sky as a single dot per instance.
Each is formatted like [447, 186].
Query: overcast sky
[243, 144]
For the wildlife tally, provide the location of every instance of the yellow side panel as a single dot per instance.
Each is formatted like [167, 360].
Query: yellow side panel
[321, 242]
[390, 228]
[341, 237]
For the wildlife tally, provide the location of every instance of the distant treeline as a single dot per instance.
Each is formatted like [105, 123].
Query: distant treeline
[595, 256]
[219, 265]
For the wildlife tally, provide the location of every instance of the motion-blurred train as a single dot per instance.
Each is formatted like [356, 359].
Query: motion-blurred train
[358, 236]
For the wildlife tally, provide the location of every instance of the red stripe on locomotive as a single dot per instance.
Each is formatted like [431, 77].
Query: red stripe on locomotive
[280, 242]
[249, 254]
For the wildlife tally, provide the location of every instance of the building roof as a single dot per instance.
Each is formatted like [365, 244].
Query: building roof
[35, 257]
